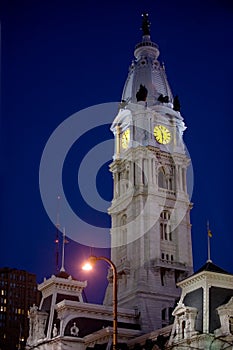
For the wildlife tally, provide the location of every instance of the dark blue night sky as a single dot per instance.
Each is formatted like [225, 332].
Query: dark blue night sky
[59, 57]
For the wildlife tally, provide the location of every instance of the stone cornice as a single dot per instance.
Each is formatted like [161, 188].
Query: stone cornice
[94, 310]
[165, 331]
[53, 280]
[104, 334]
[206, 278]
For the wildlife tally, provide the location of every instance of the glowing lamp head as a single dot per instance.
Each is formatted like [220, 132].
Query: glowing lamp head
[87, 266]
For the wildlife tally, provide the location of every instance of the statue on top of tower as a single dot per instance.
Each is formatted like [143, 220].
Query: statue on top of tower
[141, 95]
[176, 104]
[145, 24]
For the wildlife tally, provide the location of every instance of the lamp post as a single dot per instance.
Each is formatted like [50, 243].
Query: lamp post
[88, 266]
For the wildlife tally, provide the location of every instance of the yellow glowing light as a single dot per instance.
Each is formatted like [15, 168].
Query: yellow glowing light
[87, 267]
[125, 138]
[162, 134]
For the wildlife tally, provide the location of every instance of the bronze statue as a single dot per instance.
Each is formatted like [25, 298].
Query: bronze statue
[176, 104]
[163, 99]
[141, 95]
[145, 24]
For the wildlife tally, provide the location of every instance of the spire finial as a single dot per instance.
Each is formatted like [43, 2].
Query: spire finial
[209, 234]
[145, 24]
[57, 234]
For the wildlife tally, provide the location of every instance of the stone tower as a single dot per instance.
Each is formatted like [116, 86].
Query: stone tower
[150, 210]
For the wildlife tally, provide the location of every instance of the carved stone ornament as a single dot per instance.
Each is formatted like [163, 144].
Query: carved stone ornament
[74, 330]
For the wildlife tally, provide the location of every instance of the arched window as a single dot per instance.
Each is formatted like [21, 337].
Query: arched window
[161, 230]
[165, 233]
[134, 173]
[123, 237]
[165, 215]
[182, 329]
[123, 220]
[166, 178]
[170, 187]
[162, 179]
[127, 179]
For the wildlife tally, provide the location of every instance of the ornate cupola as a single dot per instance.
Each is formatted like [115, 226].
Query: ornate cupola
[146, 71]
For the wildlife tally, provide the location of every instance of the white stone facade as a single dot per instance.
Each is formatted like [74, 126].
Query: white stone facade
[150, 210]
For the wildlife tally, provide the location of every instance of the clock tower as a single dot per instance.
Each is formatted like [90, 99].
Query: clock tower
[150, 211]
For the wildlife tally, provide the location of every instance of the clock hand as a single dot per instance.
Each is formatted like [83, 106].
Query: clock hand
[162, 136]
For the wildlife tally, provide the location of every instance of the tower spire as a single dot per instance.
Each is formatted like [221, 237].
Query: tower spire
[147, 71]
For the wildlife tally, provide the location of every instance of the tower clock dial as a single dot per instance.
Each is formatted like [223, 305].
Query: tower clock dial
[162, 134]
[125, 139]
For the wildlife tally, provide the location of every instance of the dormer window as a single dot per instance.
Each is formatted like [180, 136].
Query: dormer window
[184, 324]
[225, 313]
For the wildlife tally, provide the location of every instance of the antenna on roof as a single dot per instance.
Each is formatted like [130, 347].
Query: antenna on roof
[209, 234]
[57, 234]
[64, 241]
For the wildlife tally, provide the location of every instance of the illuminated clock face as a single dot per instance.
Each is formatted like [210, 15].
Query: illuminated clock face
[125, 138]
[162, 134]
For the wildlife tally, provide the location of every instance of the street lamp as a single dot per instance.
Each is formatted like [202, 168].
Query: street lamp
[87, 267]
